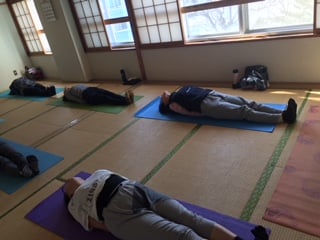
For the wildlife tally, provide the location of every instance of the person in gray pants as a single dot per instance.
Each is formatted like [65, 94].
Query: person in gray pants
[197, 102]
[132, 211]
[14, 163]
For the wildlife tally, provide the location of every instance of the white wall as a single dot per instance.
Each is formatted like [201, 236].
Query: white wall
[12, 53]
[292, 60]
[68, 54]
[107, 65]
[48, 66]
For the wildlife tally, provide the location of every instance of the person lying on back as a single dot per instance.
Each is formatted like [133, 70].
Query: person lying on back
[27, 87]
[83, 94]
[196, 101]
[131, 211]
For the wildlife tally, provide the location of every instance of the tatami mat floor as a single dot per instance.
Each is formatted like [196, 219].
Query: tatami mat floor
[213, 167]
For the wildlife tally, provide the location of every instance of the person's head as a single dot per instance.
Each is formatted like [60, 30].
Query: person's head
[164, 103]
[70, 187]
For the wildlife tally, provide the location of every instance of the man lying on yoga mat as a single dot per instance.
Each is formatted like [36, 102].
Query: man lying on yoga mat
[27, 87]
[132, 211]
[96, 96]
[14, 163]
[196, 101]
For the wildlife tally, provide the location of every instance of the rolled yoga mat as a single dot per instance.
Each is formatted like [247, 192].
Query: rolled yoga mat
[296, 201]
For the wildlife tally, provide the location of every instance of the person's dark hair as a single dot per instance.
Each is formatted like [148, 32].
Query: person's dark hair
[65, 197]
[164, 109]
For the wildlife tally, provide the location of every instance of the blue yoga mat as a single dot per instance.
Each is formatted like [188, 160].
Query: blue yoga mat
[151, 111]
[52, 214]
[11, 184]
[6, 94]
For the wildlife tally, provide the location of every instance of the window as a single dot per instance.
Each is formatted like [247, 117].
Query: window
[29, 26]
[269, 17]
[115, 16]
[157, 21]
[120, 24]
[104, 24]
[207, 24]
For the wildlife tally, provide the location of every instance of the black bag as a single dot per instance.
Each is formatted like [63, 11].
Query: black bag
[255, 77]
[34, 73]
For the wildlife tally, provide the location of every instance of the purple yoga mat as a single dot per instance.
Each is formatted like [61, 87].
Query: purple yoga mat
[52, 214]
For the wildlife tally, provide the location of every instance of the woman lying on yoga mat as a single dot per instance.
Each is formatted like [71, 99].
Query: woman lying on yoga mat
[14, 163]
[96, 96]
[132, 211]
[196, 101]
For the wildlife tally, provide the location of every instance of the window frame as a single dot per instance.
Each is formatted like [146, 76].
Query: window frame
[248, 36]
[316, 20]
[245, 34]
[217, 4]
[106, 22]
[23, 38]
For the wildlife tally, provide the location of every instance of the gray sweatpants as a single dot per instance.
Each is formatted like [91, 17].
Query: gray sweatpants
[138, 212]
[224, 106]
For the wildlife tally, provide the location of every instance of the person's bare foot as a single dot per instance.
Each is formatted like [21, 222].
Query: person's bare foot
[130, 96]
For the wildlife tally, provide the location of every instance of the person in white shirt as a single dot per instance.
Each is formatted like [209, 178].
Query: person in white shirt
[130, 211]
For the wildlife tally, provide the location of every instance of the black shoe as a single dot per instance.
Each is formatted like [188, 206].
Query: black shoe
[123, 76]
[260, 233]
[290, 115]
[292, 104]
[25, 171]
[33, 164]
[126, 81]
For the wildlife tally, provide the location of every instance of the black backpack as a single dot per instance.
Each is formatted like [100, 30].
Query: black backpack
[255, 77]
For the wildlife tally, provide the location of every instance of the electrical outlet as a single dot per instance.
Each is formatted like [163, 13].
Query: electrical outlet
[15, 72]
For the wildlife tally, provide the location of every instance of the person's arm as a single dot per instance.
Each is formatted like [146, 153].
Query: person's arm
[179, 109]
[94, 224]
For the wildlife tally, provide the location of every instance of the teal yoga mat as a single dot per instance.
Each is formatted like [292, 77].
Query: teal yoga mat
[11, 184]
[6, 94]
[151, 111]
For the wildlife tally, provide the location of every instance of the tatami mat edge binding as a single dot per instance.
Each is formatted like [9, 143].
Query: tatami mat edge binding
[170, 155]
[59, 177]
[266, 174]
[15, 108]
[27, 120]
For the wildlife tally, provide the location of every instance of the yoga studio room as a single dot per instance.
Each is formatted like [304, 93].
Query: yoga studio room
[160, 119]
